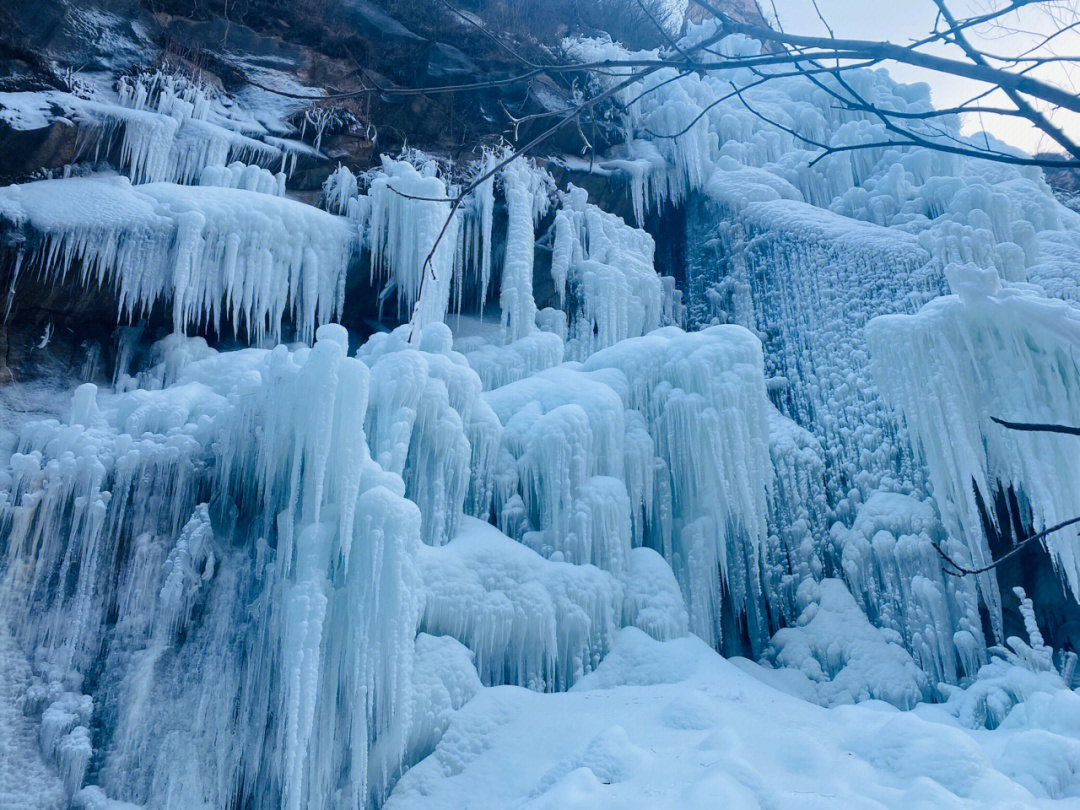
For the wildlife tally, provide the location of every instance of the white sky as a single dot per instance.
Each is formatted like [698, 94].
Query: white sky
[901, 21]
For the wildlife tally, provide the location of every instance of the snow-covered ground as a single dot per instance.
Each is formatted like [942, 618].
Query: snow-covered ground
[673, 726]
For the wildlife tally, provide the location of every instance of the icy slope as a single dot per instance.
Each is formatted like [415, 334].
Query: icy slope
[673, 725]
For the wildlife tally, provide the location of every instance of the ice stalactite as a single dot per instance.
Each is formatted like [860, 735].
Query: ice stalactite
[166, 93]
[796, 548]
[245, 176]
[413, 238]
[560, 471]
[218, 256]
[525, 188]
[81, 491]
[988, 351]
[660, 440]
[343, 624]
[477, 236]
[340, 191]
[157, 147]
[500, 365]
[608, 267]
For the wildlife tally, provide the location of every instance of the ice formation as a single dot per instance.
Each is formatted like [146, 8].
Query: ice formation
[328, 565]
[933, 367]
[807, 253]
[221, 257]
[293, 576]
[610, 266]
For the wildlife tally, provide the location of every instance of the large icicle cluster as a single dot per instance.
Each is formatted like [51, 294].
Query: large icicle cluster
[407, 219]
[660, 440]
[290, 519]
[217, 256]
[987, 352]
[805, 250]
[610, 267]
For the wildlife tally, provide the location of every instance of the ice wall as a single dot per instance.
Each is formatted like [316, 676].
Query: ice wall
[805, 250]
[275, 625]
[988, 351]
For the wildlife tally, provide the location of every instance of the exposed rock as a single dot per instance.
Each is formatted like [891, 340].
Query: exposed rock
[447, 62]
[371, 20]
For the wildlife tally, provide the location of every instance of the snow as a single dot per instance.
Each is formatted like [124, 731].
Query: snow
[671, 724]
[844, 658]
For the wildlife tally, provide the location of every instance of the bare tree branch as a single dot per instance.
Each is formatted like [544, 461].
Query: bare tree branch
[1041, 428]
[957, 570]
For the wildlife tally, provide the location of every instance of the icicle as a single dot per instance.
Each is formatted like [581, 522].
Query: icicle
[233, 256]
[522, 185]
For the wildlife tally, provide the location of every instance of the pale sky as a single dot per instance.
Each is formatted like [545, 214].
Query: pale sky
[901, 21]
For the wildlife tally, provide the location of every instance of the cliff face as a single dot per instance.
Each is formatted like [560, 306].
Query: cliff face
[60, 53]
[315, 47]
[318, 418]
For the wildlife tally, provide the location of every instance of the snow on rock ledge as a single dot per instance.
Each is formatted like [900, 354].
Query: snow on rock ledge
[221, 256]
